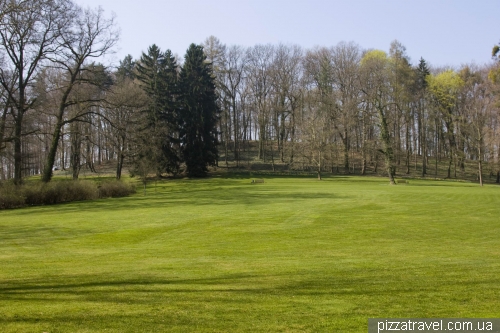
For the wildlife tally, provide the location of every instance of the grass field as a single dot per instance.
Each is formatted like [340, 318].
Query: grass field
[223, 255]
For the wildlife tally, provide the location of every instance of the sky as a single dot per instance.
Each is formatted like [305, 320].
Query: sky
[443, 32]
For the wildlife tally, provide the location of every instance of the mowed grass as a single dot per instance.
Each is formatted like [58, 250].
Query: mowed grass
[223, 255]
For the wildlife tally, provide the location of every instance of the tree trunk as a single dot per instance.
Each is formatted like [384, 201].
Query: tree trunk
[76, 142]
[346, 151]
[235, 130]
[480, 165]
[119, 164]
[18, 157]
[2, 123]
[424, 160]
[51, 157]
[292, 139]
[63, 153]
[390, 170]
[449, 166]
[263, 132]
[282, 136]
[408, 147]
[319, 165]
[386, 140]
[89, 154]
[272, 156]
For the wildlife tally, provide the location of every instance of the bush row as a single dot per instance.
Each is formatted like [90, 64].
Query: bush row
[32, 194]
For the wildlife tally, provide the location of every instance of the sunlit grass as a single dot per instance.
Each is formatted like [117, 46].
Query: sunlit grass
[223, 255]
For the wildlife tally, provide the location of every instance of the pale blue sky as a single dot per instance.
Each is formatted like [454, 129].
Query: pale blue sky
[444, 32]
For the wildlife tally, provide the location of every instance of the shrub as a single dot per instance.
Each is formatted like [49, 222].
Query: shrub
[115, 189]
[61, 191]
[78, 191]
[10, 196]
[35, 194]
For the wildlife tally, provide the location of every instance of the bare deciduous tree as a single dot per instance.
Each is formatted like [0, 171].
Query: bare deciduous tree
[260, 59]
[124, 104]
[28, 37]
[375, 87]
[90, 36]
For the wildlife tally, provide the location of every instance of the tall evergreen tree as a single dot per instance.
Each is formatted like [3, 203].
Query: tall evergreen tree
[423, 117]
[126, 68]
[157, 71]
[198, 114]
[422, 72]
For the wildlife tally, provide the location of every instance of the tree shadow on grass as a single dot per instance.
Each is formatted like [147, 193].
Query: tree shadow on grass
[101, 301]
[222, 191]
[256, 196]
[103, 287]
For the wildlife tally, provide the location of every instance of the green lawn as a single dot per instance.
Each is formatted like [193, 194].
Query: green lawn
[223, 255]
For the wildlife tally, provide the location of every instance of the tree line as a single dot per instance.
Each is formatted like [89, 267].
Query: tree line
[334, 107]
[339, 109]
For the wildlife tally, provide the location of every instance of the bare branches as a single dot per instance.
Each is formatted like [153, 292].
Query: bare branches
[89, 36]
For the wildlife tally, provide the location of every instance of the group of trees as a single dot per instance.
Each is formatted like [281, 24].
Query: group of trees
[61, 108]
[340, 106]
[175, 121]
[337, 109]
[47, 75]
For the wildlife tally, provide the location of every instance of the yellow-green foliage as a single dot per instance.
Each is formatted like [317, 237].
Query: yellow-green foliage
[444, 87]
[494, 75]
[373, 56]
[495, 50]
[374, 66]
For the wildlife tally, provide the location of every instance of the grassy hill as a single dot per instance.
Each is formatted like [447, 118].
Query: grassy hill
[223, 255]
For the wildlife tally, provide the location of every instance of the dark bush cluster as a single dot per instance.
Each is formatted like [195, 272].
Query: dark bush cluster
[34, 194]
[10, 196]
[56, 192]
[115, 189]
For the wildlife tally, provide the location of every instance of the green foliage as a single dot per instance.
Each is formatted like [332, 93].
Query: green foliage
[98, 75]
[374, 56]
[182, 115]
[495, 50]
[157, 72]
[445, 87]
[422, 72]
[221, 255]
[198, 114]
[494, 75]
[126, 68]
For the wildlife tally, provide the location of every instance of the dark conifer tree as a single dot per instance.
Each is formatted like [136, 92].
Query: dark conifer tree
[157, 71]
[422, 72]
[126, 68]
[198, 114]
